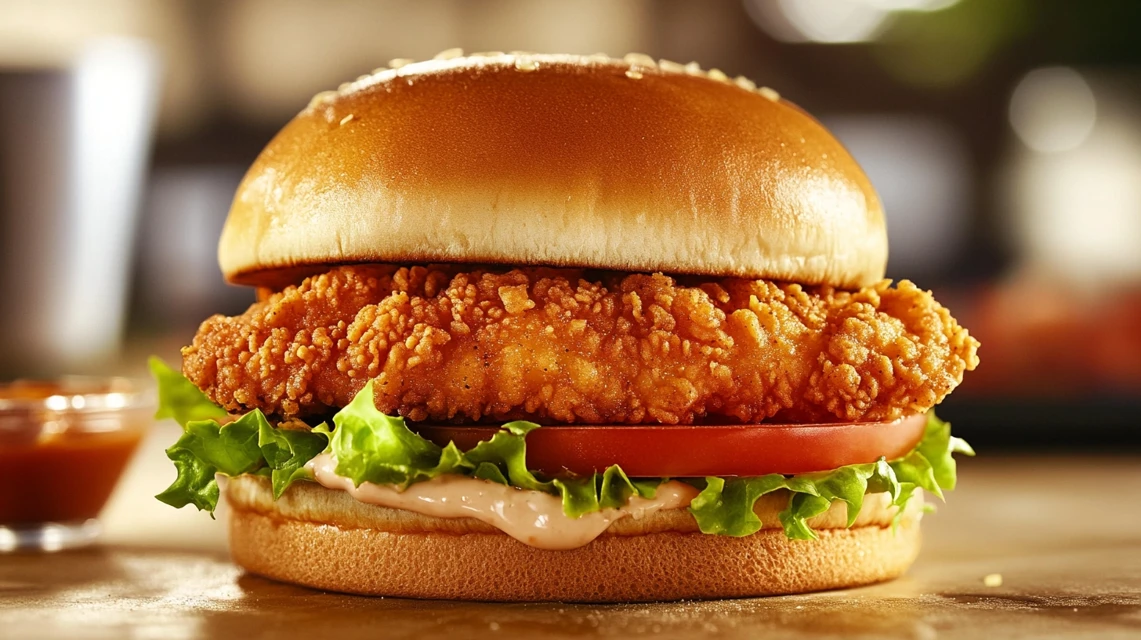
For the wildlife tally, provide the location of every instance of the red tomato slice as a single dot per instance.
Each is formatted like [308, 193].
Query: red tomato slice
[707, 450]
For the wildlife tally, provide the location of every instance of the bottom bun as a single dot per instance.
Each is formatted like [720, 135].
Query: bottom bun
[419, 562]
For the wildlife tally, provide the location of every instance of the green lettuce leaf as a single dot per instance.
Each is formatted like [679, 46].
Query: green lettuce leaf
[610, 489]
[801, 507]
[286, 451]
[370, 446]
[178, 398]
[937, 446]
[579, 495]
[725, 506]
[884, 480]
[231, 448]
[207, 447]
[195, 483]
[615, 489]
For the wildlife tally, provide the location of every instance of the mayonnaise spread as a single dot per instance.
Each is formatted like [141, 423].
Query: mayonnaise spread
[531, 517]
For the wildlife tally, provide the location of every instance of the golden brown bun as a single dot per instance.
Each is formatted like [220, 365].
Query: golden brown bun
[325, 539]
[556, 160]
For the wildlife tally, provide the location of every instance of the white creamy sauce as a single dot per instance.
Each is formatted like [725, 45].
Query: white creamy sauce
[531, 517]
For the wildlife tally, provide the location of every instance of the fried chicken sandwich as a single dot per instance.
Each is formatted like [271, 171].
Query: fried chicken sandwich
[550, 327]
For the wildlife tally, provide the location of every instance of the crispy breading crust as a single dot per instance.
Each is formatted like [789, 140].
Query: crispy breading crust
[577, 347]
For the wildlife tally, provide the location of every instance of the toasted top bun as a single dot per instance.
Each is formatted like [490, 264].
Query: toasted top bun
[556, 160]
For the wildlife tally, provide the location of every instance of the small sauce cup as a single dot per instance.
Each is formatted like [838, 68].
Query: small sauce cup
[63, 446]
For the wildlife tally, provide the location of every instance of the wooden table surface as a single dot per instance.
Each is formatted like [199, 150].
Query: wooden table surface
[1064, 533]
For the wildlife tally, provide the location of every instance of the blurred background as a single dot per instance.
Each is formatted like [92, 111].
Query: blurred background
[1004, 137]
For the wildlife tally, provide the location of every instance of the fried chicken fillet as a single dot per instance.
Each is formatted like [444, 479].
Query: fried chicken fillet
[567, 346]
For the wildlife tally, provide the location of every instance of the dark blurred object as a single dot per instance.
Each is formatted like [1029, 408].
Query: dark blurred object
[921, 170]
[1061, 367]
[1097, 423]
[178, 283]
[33, 158]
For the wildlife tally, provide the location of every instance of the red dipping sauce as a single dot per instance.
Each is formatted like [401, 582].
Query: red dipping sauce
[64, 444]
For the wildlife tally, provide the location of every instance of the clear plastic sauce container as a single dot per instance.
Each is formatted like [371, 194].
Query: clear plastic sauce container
[63, 445]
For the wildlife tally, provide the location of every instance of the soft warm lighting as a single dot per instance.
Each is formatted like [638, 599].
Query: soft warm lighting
[9, 541]
[1078, 209]
[912, 5]
[832, 21]
[829, 21]
[1053, 109]
[52, 538]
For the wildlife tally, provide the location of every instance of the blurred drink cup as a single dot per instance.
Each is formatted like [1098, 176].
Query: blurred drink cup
[74, 140]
